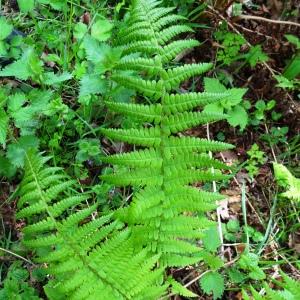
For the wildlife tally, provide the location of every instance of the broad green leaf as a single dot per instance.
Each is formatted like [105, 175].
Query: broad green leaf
[29, 65]
[214, 108]
[293, 40]
[5, 29]
[101, 30]
[92, 84]
[213, 85]
[26, 5]
[284, 82]
[238, 117]
[235, 275]
[214, 262]
[286, 179]
[256, 55]
[51, 79]
[211, 239]
[233, 226]
[292, 70]
[80, 29]
[16, 151]
[95, 51]
[6, 169]
[212, 283]
[3, 126]
[15, 102]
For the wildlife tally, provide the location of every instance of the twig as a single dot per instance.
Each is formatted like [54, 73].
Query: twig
[244, 210]
[218, 208]
[202, 274]
[247, 17]
[17, 255]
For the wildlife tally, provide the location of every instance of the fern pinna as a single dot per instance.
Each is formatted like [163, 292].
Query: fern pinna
[289, 289]
[167, 162]
[86, 258]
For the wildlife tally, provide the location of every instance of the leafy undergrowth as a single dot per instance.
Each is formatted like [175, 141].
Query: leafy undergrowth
[55, 61]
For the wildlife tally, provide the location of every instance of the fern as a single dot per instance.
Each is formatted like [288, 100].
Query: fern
[290, 289]
[286, 179]
[123, 255]
[88, 258]
[168, 164]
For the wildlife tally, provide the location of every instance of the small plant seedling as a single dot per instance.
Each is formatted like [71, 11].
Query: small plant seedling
[256, 159]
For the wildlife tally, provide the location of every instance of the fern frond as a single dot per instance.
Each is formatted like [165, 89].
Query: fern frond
[146, 113]
[170, 32]
[144, 137]
[80, 253]
[140, 46]
[143, 158]
[186, 144]
[290, 289]
[167, 20]
[176, 75]
[186, 120]
[151, 66]
[162, 174]
[135, 178]
[182, 102]
[195, 160]
[173, 49]
[149, 88]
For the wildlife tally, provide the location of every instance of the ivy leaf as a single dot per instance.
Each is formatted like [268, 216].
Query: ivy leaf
[16, 152]
[213, 283]
[211, 239]
[3, 126]
[6, 29]
[101, 30]
[238, 117]
[26, 5]
[92, 84]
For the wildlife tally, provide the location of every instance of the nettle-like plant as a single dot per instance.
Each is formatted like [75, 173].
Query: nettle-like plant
[166, 212]
[123, 255]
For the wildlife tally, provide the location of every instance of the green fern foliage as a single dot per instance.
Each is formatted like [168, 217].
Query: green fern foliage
[87, 255]
[288, 288]
[166, 213]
